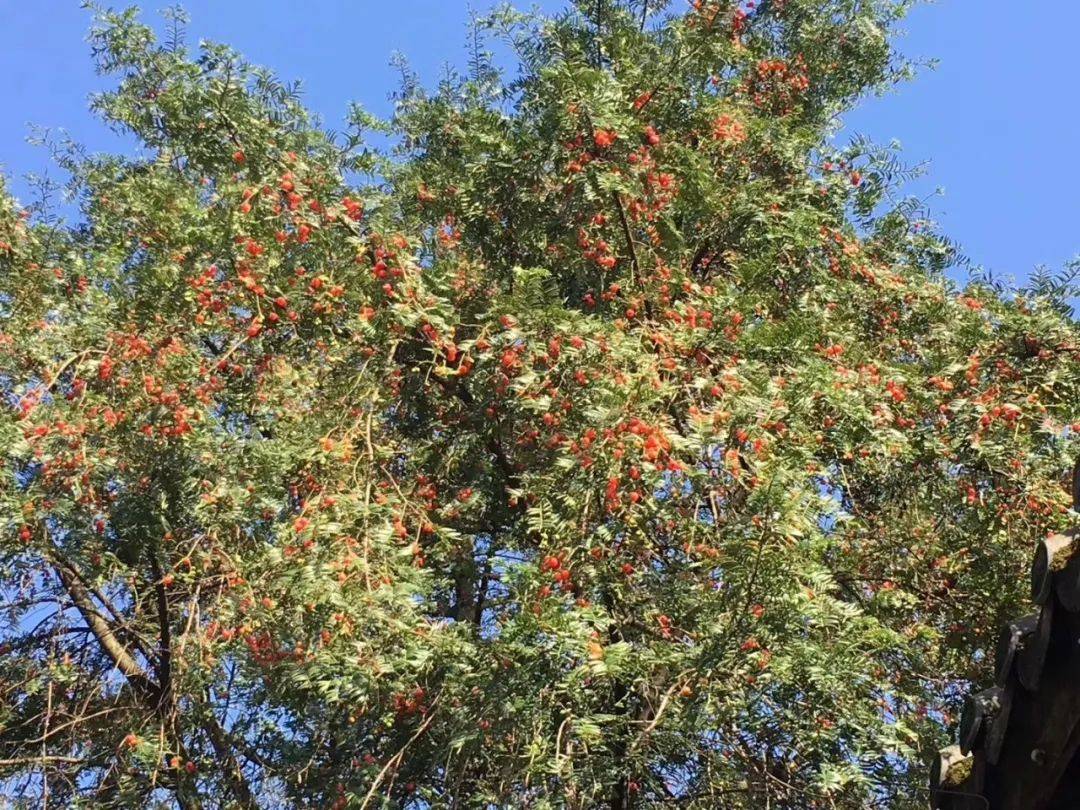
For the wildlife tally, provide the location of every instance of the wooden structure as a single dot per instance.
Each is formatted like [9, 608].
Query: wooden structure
[1018, 744]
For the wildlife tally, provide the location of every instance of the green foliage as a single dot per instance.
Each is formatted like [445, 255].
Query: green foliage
[609, 440]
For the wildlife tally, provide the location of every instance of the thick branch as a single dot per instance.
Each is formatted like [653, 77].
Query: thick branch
[48, 759]
[101, 629]
[164, 663]
[233, 772]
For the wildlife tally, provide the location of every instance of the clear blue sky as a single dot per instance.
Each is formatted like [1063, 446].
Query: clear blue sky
[998, 120]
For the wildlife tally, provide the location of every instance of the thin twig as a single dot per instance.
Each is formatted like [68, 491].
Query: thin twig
[395, 760]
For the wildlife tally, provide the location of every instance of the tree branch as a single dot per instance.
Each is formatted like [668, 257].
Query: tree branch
[164, 662]
[103, 632]
[38, 760]
[238, 784]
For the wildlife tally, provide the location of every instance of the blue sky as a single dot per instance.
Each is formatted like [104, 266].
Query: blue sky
[998, 119]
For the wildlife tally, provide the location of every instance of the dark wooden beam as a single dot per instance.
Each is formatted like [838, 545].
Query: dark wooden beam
[1040, 738]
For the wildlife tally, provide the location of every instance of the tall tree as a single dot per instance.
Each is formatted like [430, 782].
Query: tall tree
[611, 439]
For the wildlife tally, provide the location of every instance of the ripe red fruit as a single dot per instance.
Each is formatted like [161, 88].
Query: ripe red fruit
[604, 138]
[238, 156]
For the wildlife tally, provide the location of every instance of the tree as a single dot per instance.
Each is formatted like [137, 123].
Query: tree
[609, 440]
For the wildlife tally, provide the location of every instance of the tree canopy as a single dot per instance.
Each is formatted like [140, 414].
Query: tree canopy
[594, 435]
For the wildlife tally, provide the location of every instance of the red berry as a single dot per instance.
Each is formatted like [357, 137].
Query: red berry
[604, 138]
